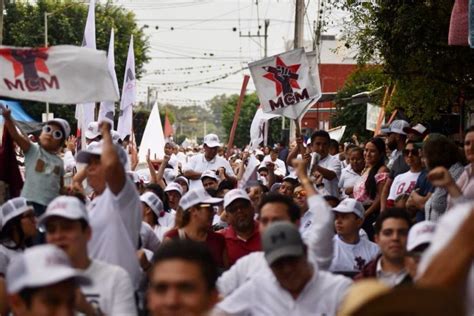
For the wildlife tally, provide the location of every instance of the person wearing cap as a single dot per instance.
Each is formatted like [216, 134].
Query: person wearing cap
[92, 133]
[391, 231]
[173, 194]
[207, 161]
[182, 280]
[288, 185]
[183, 182]
[419, 239]
[153, 210]
[42, 282]
[416, 133]
[194, 221]
[18, 227]
[66, 223]
[351, 252]
[210, 181]
[115, 214]
[242, 236]
[397, 165]
[294, 286]
[44, 169]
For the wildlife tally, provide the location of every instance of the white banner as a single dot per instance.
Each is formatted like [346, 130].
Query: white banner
[257, 129]
[336, 133]
[128, 95]
[107, 108]
[373, 112]
[249, 173]
[284, 83]
[57, 74]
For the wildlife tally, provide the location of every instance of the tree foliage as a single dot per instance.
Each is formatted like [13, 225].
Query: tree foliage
[410, 40]
[24, 27]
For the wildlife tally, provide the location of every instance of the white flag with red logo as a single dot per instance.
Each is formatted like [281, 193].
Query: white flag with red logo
[107, 108]
[128, 95]
[284, 83]
[57, 74]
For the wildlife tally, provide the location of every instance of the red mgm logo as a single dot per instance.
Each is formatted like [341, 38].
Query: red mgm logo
[29, 63]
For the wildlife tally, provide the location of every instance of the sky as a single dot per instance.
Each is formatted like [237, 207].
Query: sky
[193, 42]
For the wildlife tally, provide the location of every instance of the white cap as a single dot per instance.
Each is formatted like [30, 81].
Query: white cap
[212, 140]
[417, 129]
[95, 149]
[115, 136]
[64, 126]
[195, 197]
[143, 175]
[92, 130]
[209, 174]
[41, 266]
[12, 208]
[233, 195]
[153, 201]
[173, 186]
[420, 233]
[263, 165]
[258, 152]
[169, 175]
[397, 127]
[350, 206]
[67, 207]
[133, 176]
[182, 178]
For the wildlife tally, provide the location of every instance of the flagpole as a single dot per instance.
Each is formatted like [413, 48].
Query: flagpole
[46, 45]
[237, 113]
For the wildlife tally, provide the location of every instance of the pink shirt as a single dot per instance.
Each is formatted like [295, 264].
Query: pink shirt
[360, 194]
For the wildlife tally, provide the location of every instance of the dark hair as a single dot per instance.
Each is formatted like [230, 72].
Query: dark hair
[469, 130]
[358, 149]
[320, 133]
[225, 185]
[440, 151]
[8, 231]
[329, 198]
[393, 212]
[334, 143]
[292, 208]
[370, 183]
[191, 251]
[155, 188]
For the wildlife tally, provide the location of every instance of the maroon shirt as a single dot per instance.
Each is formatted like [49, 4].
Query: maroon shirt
[237, 247]
[215, 242]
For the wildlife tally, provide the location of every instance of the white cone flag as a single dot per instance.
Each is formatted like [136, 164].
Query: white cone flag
[128, 95]
[107, 108]
[153, 137]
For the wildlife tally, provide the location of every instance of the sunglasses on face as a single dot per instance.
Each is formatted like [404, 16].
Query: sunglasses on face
[299, 194]
[57, 134]
[414, 152]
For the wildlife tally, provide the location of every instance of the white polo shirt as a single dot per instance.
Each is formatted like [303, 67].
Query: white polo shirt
[263, 295]
[116, 221]
[198, 163]
[279, 164]
[352, 257]
[333, 164]
[348, 179]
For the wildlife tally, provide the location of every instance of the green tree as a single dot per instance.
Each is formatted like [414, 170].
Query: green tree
[410, 40]
[24, 26]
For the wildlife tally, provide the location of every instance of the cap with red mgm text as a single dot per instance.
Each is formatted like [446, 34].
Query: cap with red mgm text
[350, 206]
[420, 234]
[153, 202]
[68, 207]
[93, 130]
[212, 140]
[235, 194]
[195, 197]
[41, 266]
[281, 240]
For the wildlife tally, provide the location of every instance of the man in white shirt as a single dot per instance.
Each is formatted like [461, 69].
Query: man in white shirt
[351, 252]
[67, 226]
[323, 163]
[207, 161]
[115, 212]
[273, 158]
[294, 286]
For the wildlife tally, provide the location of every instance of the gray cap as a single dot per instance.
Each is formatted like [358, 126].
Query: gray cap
[281, 240]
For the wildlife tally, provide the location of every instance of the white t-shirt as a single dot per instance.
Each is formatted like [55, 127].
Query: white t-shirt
[116, 221]
[352, 257]
[333, 164]
[263, 295]
[198, 163]
[6, 256]
[167, 219]
[160, 231]
[403, 183]
[111, 289]
[279, 164]
[448, 225]
[149, 238]
[348, 179]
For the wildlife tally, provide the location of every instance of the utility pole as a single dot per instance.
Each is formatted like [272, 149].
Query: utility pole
[1, 21]
[265, 35]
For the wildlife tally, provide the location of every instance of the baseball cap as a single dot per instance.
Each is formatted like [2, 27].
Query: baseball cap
[95, 149]
[195, 197]
[350, 206]
[209, 174]
[396, 127]
[417, 129]
[182, 178]
[63, 124]
[115, 136]
[211, 140]
[92, 130]
[12, 208]
[68, 207]
[421, 233]
[173, 186]
[292, 179]
[41, 266]
[262, 166]
[153, 201]
[233, 195]
[281, 240]
[258, 152]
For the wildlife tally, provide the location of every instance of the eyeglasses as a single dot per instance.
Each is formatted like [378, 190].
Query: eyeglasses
[57, 134]
[299, 194]
[414, 152]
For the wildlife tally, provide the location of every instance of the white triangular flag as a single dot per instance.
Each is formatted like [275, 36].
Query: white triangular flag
[153, 137]
[107, 108]
[128, 95]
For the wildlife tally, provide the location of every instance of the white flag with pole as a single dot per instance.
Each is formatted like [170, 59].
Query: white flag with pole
[128, 95]
[107, 108]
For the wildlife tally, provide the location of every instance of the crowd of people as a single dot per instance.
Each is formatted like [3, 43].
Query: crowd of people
[313, 227]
